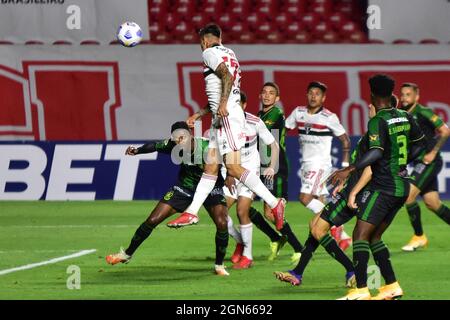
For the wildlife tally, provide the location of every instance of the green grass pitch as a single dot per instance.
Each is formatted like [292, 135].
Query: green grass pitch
[178, 264]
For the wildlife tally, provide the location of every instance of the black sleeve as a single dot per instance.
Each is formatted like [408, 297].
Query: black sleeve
[164, 146]
[369, 158]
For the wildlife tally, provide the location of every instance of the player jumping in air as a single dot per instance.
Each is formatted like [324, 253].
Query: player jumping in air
[393, 134]
[426, 167]
[227, 136]
[316, 127]
[180, 195]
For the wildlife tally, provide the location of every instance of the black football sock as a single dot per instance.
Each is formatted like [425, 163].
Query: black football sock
[140, 235]
[361, 252]
[382, 259]
[291, 238]
[444, 213]
[311, 245]
[333, 250]
[414, 216]
[221, 245]
[261, 223]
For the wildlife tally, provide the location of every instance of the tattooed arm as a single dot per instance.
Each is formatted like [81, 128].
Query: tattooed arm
[227, 83]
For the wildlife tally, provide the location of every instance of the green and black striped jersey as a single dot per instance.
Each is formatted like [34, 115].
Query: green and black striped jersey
[361, 148]
[274, 120]
[191, 168]
[392, 130]
[428, 121]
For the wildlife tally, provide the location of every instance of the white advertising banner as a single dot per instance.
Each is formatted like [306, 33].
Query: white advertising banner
[68, 20]
[95, 93]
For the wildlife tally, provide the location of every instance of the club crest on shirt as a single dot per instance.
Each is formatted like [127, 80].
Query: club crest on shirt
[373, 137]
[308, 127]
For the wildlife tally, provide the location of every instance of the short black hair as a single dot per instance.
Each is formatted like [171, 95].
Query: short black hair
[179, 125]
[273, 85]
[212, 29]
[412, 85]
[243, 97]
[317, 84]
[381, 85]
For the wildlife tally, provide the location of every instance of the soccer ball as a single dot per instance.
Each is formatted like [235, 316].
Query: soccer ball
[129, 34]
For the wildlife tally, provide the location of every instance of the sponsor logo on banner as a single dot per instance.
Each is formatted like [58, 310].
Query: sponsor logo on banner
[348, 91]
[66, 100]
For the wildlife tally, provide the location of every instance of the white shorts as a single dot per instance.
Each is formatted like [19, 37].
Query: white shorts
[312, 177]
[230, 136]
[241, 191]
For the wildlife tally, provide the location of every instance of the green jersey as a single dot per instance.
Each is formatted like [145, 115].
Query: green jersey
[274, 119]
[392, 130]
[361, 148]
[428, 121]
[191, 169]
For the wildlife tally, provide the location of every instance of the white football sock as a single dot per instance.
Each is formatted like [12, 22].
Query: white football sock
[233, 232]
[247, 235]
[204, 187]
[315, 206]
[254, 183]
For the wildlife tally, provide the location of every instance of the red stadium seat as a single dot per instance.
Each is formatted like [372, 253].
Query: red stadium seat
[171, 21]
[267, 11]
[239, 3]
[321, 28]
[429, 41]
[226, 21]
[181, 29]
[337, 19]
[301, 37]
[157, 13]
[295, 12]
[263, 30]
[321, 7]
[282, 21]
[34, 42]
[348, 28]
[162, 38]
[254, 19]
[345, 8]
[310, 20]
[89, 42]
[199, 20]
[293, 29]
[330, 36]
[155, 27]
[185, 11]
[402, 41]
[241, 11]
[191, 37]
[246, 37]
[274, 37]
[356, 37]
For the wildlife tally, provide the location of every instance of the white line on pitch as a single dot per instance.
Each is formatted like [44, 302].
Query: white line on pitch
[43, 263]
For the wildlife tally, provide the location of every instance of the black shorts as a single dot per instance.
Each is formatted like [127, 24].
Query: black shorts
[278, 186]
[375, 207]
[425, 177]
[336, 212]
[180, 198]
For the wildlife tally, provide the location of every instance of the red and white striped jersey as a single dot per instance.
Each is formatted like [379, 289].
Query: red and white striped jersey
[315, 133]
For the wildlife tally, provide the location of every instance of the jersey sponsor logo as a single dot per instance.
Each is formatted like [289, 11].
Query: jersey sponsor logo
[168, 195]
[182, 191]
[37, 112]
[397, 120]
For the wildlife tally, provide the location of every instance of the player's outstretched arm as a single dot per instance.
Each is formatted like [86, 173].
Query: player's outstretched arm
[200, 113]
[227, 83]
[164, 146]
